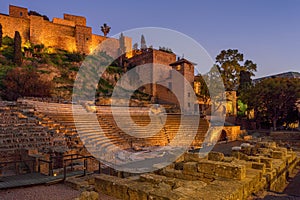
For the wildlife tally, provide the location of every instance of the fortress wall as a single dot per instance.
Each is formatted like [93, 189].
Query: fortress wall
[96, 40]
[59, 36]
[15, 11]
[189, 72]
[9, 26]
[128, 45]
[79, 20]
[163, 57]
[165, 95]
[70, 33]
[83, 37]
[36, 29]
[108, 45]
[63, 22]
[145, 57]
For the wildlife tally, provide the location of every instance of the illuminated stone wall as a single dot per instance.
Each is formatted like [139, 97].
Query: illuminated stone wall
[70, 33]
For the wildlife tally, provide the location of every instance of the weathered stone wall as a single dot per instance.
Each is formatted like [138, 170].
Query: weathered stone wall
[212, 177]
[9, 26]
[232, 132]
[152, 56]
[70, 33]
[63, 22]
[96, 40]
[15, 11]
[78, 20]
[51, 34]
[83, 36]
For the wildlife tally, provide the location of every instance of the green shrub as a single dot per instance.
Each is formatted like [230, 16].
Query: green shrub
[7, 41]
[56, 59]
[75, 57]
[3, 72]
[8, 52]
[114, 70]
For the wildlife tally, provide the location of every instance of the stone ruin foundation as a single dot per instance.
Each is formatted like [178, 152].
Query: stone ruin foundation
[262, 166]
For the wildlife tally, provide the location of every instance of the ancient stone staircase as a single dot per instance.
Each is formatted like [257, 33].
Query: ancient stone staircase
[20, 129]
[60, 120]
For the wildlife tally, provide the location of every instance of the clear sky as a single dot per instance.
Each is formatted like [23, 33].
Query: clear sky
[266, 31]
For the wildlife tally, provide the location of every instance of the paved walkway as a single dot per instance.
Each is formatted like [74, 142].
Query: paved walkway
[226, 147]
[32, 179]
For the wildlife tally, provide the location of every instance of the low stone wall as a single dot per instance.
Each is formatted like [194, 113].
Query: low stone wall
[263, 166]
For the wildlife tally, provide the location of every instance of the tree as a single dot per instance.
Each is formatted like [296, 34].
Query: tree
[135, 46]
[17, 49]
[21, 82]
[122, 49]
[230, 65]
[273, 100]
[105, 29]
[245, 81]
[1, 35]
[211, 91]
[143, 43]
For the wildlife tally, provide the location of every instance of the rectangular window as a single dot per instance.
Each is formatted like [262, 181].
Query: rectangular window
[21, 14]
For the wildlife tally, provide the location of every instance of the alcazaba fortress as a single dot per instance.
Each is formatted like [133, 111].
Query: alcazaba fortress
[70, 33]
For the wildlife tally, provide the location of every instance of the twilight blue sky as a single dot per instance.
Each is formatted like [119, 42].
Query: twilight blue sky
[266, 31]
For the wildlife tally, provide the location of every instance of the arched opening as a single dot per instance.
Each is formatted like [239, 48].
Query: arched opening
[223, 136]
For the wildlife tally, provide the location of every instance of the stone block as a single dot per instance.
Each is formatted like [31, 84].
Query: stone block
[246, 150]
[254, 159]
[137, 194]
[259, 166]
[206, 167]
[289, 159]
[215, 156]
[229, 159]
[264, 151]
[191, 157]
[190, 168]
[267, 161]
[282, 149]
[243, 156]
[235, 154]
[152, 178]
[179, 166]
[222, 169]
[231, 171]
[277, 154]
[112, 186]
[247, 137]
[89, 195]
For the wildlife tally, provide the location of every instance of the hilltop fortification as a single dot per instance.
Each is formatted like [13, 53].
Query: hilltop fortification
[70, 33]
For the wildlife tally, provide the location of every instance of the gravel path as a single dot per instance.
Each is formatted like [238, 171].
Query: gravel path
[42, 192]
[52, 192]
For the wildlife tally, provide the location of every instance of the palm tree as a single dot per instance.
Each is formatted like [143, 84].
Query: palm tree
[105, 29]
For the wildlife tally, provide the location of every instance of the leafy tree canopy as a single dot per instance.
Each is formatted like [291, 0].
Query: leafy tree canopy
[231, 64]
[274, 100]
